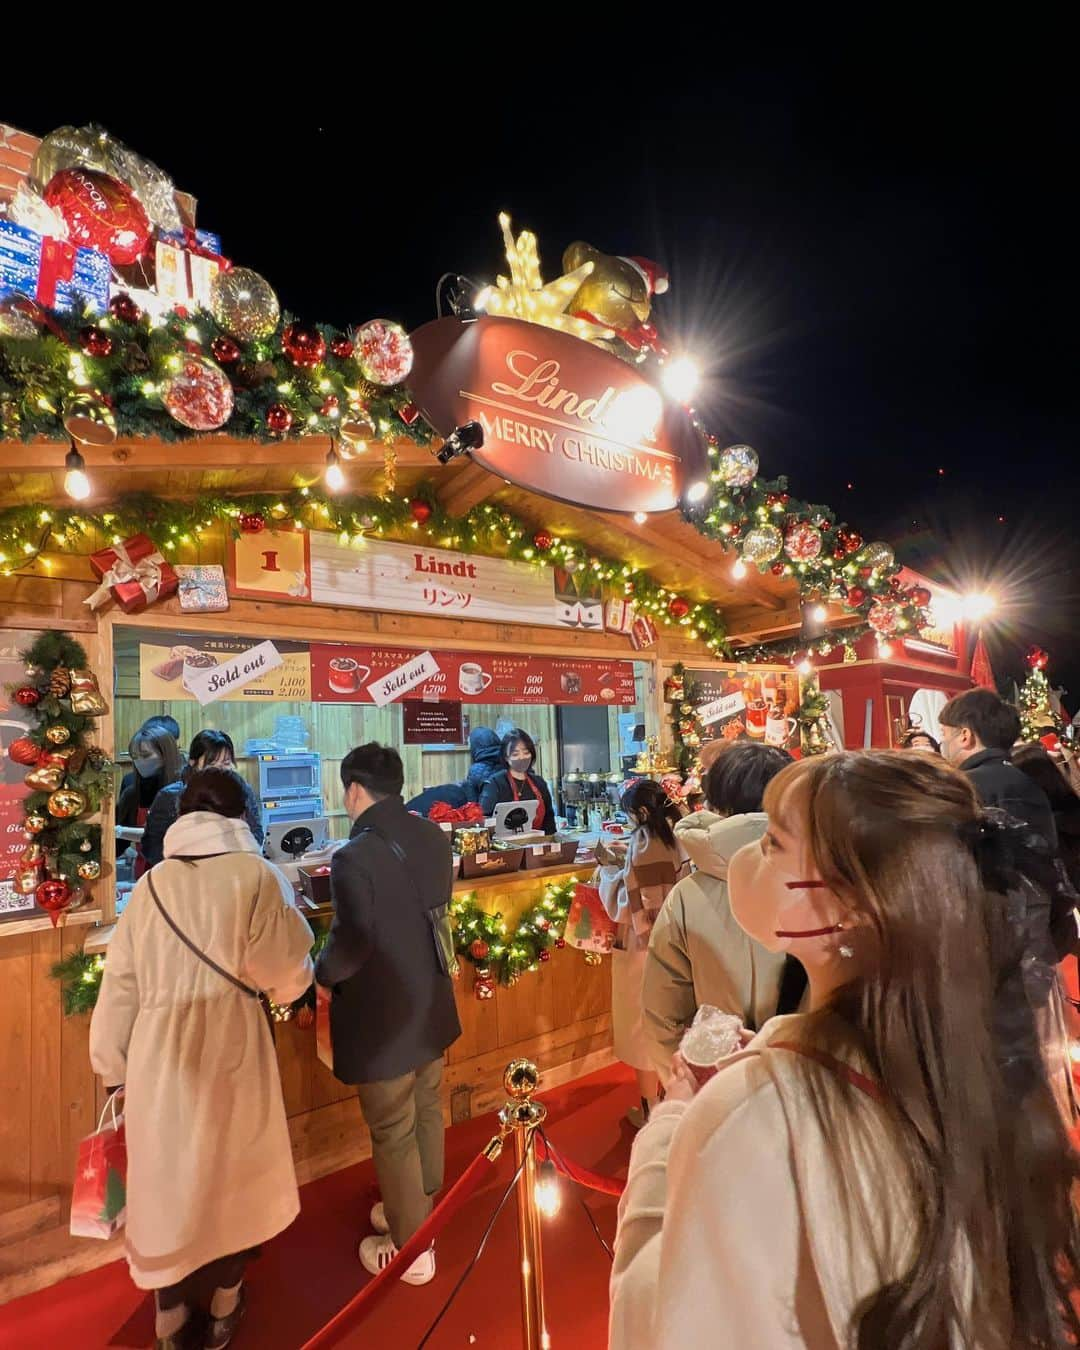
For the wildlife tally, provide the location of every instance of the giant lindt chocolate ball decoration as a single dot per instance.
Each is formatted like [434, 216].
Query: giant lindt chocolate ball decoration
[244, 304]
[100, 213]
[199, 395]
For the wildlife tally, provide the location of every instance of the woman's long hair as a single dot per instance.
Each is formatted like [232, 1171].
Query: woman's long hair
[946, 1026]
[649, 802]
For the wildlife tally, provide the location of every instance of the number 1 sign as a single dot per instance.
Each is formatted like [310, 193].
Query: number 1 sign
[275, 564]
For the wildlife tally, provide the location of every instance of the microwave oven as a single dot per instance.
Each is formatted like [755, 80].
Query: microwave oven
[284, 776]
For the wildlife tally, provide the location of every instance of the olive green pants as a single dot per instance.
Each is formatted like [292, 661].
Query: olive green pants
[405, 1118]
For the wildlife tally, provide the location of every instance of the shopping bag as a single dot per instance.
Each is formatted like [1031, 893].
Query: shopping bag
[99, 1197]
[324, 1045]
[588, 924]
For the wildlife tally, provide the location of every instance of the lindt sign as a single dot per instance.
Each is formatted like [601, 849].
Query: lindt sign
[560, 416]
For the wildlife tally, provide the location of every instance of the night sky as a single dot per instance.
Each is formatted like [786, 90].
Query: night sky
[875, 267]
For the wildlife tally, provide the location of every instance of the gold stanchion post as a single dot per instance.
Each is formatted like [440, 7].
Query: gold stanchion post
[523, 1115]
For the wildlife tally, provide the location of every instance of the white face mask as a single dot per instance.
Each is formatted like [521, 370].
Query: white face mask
[148, 764]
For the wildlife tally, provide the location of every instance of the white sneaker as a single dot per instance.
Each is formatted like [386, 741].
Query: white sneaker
[378, 1218]
[376, 1253]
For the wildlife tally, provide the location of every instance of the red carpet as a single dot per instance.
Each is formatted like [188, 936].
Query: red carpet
[309, 1272]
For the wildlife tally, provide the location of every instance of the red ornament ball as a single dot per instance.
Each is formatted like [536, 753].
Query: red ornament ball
[855, 596]
[419, 510]
[100, 213]
[94, 342]
[124, 309]
[560, 943]
[330, 404]
[802, 543]
[541, 541]
[777, 569]
[225, 350]
[920, 596]
[882, 617]
[304, 345]
[1036, 659]
[23, 751]
[678, 608]
[251, 522]
[53, 895]
[544, 954]
[27, 696]
[199, 396]
[341, 347]
[478, 949]
[278, 418]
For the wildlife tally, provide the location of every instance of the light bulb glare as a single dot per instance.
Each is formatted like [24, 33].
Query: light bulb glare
[681, 378]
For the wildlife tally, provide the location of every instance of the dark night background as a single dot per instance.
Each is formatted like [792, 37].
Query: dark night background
[875, 267]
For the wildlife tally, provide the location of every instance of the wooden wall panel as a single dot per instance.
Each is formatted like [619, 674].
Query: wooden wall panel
[49, 1167]
[16, 1069]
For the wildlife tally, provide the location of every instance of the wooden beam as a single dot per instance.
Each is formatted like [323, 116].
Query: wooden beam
[211, 452]
[467, 487]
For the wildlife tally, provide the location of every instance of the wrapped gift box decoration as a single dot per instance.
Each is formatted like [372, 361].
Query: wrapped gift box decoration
[620, 616]
[202, 589]
[51, 271]
[185, 265]
[133, 573]
[642, 633]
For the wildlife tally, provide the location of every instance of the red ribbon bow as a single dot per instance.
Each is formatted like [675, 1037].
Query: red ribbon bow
[469, 814]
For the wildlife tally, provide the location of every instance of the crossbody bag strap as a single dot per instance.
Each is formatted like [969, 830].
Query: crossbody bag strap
[869, 1086]
[196, 951]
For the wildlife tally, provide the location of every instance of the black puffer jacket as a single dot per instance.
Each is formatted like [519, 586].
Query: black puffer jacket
[1000, 783]
[389, 952]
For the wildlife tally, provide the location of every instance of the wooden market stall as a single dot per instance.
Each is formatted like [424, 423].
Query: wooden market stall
[596, 569]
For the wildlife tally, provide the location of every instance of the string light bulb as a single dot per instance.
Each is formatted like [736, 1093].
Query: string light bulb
[738, 569]
[680, 378]
[334, 477]
[76, 483]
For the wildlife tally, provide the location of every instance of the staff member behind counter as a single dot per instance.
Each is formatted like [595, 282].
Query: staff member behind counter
[517, 782]
[156, 761]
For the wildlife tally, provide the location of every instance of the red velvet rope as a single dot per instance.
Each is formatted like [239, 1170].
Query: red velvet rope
[592, 1180]
[362, 1303]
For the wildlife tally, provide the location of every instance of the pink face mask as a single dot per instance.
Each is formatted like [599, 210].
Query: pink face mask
[771, 902]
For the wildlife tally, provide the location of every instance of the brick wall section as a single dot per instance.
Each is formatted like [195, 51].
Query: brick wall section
[17, 151]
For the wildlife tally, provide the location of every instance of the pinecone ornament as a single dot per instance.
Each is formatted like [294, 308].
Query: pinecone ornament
[60, 682]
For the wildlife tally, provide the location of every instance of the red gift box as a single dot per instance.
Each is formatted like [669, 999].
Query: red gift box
[134, 573]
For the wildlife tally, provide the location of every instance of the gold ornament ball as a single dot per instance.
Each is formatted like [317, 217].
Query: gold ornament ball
[67, 802]
[762, 544]
[244, 304]
[58, 734]
[878, 554]
[521, 1079]
[89, 870]
[35, 822]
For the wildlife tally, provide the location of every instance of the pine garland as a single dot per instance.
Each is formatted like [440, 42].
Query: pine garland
[80, 981]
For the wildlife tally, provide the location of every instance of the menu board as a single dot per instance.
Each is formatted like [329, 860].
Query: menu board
[757, 702]
[14, 722]
[341, 673]
[175, 665]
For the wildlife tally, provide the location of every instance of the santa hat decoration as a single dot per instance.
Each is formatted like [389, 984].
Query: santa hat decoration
[654, 276]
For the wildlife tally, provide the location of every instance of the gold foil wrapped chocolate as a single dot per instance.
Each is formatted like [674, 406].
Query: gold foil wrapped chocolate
[86, 697]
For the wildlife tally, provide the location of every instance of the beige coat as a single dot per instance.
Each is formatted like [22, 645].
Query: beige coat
[698, 954]
[210, 1168]
[732, 1231]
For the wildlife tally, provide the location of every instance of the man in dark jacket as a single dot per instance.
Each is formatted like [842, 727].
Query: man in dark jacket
[978, 730]
[388, 961]
[485, 756]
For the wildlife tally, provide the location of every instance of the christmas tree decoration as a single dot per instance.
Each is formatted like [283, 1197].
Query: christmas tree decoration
[483, 984]
[304, 345]
[95, 343]
[762, 544]
[419, 510]
[224, 350]
[1039, 718]
[384, 352]
[278, 418]
[737, 465]
[100, 213]
[89, 419]
[86, 698]
[877, 555]
[802, 542]
[252, 522]
[357, 428]
[53, 896]
[341, 347]
[882, 617]
[27, 697]
[198, 395]
[90, 870]
[16, 324]
[408, 413]
[856, 597]
[479, 950]
[57, 734]
[23, 751]
[28, 877]
[920, 596]
[244, 304]
[542, 541]
[67, 802]
[124, 309]
[35, 823]
[675, 686]
[678, 608]
[60, 682]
